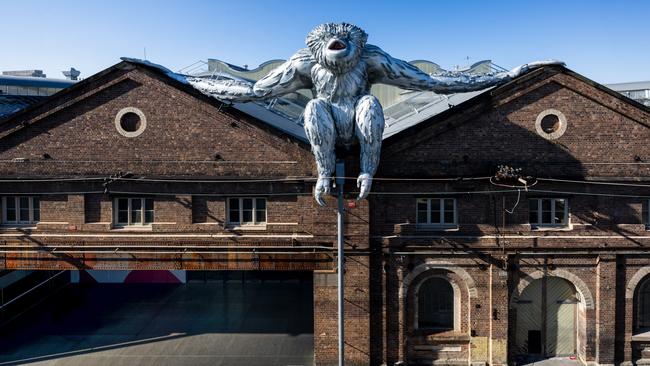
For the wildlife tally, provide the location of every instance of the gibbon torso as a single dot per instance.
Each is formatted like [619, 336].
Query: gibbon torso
[341, 91]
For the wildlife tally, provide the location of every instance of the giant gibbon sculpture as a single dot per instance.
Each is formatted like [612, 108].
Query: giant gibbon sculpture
[340, 67]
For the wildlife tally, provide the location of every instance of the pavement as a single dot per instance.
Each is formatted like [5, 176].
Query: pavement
[555, 361]
[157, 324]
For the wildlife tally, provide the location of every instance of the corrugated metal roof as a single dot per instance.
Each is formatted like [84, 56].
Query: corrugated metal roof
[35, 82]
[10, 104]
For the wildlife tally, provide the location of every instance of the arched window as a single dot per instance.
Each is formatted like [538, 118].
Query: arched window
[436, 304]
[643, 305]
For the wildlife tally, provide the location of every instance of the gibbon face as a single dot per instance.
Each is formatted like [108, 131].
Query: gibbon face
[337, 46]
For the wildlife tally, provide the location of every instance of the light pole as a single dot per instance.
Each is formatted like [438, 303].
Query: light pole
[340, 181]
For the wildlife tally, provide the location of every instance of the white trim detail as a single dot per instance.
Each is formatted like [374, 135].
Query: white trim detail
[429, 265]
[554, 135]
[635, 280]
[580, 285]
[118, 120]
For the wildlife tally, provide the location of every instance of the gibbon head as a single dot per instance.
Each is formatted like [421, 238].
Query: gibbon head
[337, 46]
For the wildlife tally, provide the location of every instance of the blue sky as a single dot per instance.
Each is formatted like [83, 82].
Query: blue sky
[608, 41]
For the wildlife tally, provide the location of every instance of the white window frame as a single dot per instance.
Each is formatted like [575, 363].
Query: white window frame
[17, 208]
[539, 223]
[241, 212]
[143, 210]
[441, 223]
[645, 213]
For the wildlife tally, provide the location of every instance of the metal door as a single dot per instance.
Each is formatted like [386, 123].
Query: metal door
[529, 319]
[560, 317]
[546, 318]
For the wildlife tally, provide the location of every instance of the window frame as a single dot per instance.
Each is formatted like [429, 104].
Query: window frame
[440, 224]
[241, 223]
[539, 224]
[17, 221]
[143, 212]
[641, 325]
[455, 310]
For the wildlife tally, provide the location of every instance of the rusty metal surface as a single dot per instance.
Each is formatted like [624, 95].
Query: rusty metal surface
[202, 261]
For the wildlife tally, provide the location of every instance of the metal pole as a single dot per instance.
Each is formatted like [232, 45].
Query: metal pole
[340, 174]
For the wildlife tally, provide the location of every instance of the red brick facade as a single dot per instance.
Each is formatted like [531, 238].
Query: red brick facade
[196, 153]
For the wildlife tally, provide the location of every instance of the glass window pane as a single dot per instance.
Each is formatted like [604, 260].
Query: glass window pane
[136, 204]
[37, 215]
[260, 204]
[136, 217]
[234, 204]
[435, 204]
[233, 215]
[422, 217]
[247, 203]
[36, 203]
[560, 207]
[435, 217]
[122, 204]
[247, 216]
[449, 204]
[546, 217]
[24, 203]
[148, 204]
[24, 209]
[546, 205]
[422, 205]
[11, 212]
[148, 216]
[436, 304]
[11, 202]
[260, 216]
[449, 217]
[123, 217]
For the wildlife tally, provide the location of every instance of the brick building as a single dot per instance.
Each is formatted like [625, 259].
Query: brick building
[452, 260]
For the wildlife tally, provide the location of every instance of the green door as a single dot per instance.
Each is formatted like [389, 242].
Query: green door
[546, 318]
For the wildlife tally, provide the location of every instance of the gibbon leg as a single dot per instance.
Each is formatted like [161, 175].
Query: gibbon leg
[369, 130]
[319, 126]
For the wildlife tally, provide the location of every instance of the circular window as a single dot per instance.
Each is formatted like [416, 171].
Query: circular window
[130, 122]
[551, 124]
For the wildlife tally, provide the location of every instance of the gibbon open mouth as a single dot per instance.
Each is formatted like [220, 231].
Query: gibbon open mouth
[336, 45]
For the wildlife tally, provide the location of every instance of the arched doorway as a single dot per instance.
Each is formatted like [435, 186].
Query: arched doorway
[550, 314]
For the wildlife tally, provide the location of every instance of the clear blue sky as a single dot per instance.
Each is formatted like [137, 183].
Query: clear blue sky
[608, 41]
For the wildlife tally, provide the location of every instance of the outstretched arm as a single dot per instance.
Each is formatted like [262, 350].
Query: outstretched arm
[292, 75]
[384, 69]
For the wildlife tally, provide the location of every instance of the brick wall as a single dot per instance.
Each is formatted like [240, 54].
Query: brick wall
[491, 255]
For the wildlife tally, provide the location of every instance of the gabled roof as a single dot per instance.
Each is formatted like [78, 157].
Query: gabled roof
[457, 103]
[260, 113]
[435, 107]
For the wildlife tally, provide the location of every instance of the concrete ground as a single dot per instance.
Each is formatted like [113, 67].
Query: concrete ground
[193, 324]
[556, 361]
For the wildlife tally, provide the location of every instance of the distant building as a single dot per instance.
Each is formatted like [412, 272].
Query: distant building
[639, 91]
[30, 73]
[19, 89]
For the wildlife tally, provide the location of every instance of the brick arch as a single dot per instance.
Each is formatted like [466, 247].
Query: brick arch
[577, 282]
[429, 265]
[635, 280]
